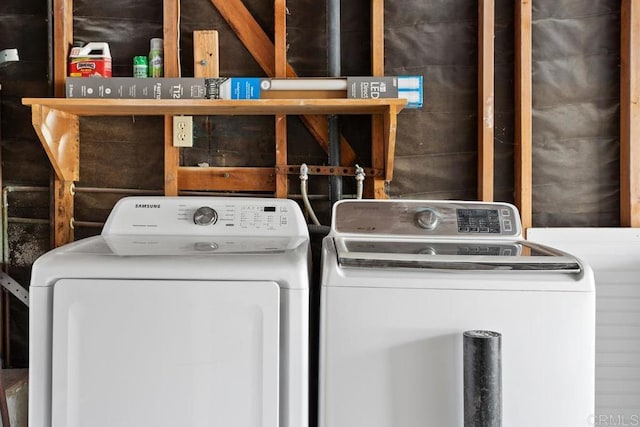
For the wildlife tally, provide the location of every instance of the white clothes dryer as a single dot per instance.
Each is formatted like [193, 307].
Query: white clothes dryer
[185, 311]
[402, 280]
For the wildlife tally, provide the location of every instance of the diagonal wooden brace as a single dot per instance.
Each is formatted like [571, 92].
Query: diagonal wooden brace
[262, 49]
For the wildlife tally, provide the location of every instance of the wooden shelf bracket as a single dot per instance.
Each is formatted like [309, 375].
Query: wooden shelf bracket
[59, 133]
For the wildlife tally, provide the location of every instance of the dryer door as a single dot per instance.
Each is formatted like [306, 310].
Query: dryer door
[165, 353]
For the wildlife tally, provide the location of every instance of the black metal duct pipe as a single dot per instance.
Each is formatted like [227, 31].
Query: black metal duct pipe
[482, 379]
[333, 35]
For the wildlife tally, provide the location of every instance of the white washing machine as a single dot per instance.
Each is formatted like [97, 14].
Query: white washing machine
[189, 311]
[402, 280]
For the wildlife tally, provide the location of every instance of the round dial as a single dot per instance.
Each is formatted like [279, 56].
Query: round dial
[427, 219]
[205, 216]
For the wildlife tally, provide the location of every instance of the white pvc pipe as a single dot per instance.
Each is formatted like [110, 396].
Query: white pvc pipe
[359, 181]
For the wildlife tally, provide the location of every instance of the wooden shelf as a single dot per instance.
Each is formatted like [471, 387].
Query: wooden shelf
[56, 120]
[210, 107]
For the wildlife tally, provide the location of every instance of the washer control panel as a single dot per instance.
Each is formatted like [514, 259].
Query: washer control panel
[206, 216]
[427, 218]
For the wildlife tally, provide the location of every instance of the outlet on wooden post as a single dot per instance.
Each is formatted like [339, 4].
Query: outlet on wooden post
[183, 131]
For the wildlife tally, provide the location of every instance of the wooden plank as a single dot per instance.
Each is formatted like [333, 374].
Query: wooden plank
[58, 132]
[263, 51]
[378, 188]
[486, 71]
[250, 34]
[170, 18]
[62, 42]
[280, 38]
[282, 180]
[523, 107]
[212, 107]
[390, 121]
[206, 54]
[62, 212]
[630, 114]
[227, 179]
[171, 58]
[377, 37]
[280, 46]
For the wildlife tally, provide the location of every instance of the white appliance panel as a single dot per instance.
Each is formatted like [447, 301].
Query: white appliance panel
[403, 280]
[210, 348]
[397, 360]
[614, 254]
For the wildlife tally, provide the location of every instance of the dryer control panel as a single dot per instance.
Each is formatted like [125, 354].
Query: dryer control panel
[219, 216]
[477, 220]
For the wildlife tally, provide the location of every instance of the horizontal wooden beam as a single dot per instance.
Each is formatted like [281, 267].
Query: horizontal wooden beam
[216, 107]
[226, 179]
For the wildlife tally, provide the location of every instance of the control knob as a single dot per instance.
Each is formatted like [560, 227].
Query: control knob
[205, 216]
[426, 219]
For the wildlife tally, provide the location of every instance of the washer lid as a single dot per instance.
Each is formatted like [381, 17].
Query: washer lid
[453, 255]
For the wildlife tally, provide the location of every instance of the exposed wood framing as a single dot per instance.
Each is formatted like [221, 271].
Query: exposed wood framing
[486, 71]
[56, 121]
[523, 95]
[63, 212]
[227, 179]
[62, 41]
[206, 56]
[281, 64]
[58, 131]
[378, 143]
[171, 69]
[263, 51]
[206, 107]
[630, 114]
[390, 122]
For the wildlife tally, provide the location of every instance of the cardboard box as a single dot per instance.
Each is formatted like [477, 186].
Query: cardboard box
[408, 87]
[230, 88]
[137, 88]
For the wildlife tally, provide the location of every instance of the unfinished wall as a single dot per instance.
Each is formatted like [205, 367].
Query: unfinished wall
[575, 125]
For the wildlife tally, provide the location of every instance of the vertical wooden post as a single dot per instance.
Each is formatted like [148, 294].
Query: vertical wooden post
[523, 94]
[280, 46]
[62, 41]
[206, 54]
[486, 71]
[171, 69]
[63, 212]
[630, 114]
[378, 149]
[62, 204]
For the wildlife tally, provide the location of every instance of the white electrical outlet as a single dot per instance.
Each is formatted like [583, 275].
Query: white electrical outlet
[183, 131]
